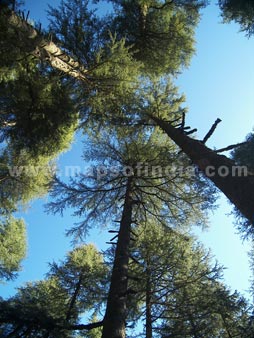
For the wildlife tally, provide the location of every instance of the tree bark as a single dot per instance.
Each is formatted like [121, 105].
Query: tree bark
[115, 317]
[149, 329]
[35, 44]
[238, 189]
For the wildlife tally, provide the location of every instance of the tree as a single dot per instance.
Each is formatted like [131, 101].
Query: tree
[83, 275]
[38, 121]
[237, 186]
[13, 246]
[246, 192]
[160, 32]
[107, 72]
[145, 195]
[240, 11]
[52, 307]
[36, 109]
[178, 288]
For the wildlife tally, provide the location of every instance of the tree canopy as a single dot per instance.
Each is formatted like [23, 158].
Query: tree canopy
[112, 77]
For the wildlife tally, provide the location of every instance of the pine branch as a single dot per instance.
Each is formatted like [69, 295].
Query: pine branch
[233, 146]
[82, 326]
[74, 298]
[211, 131]
[191, 131]
[183, 122]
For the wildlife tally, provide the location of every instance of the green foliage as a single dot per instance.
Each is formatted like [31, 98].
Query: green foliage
[114, 78]
[10, 50]
[240, 11]
[94, 333]
[23, 177]
[83, 269]
[38, 118]
[12, 246]
[36, 310]
[111, 69]
[37, 113]
[162, 176]
[49, 307]
[176, 280]
[160, 180]
[161, 34]
[77, 28]
[38, 121]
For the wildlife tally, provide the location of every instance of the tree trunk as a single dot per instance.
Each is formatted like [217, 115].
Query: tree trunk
[115, 317]
[74, 297]
[35, 44]
[143, 10]
[238, 189]
[149, 329]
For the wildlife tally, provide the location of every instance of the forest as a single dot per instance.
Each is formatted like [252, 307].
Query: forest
[106, 72]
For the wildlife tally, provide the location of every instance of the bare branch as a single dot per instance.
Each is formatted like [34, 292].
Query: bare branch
[82, 326]
[233, 146]
[211, 131]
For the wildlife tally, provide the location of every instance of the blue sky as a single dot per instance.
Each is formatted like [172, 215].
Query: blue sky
[218, 83]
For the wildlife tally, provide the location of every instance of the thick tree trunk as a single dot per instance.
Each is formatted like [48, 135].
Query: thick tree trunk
[35, 44]
[115, 317]
[238, 189]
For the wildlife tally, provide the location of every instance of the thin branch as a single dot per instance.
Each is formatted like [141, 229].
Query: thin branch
[233, 146]
[183, 122]
[82, 326]
[191, 131]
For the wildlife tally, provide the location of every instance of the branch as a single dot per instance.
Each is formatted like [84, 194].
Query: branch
[211, 131]
[183, 122]
[191, 131]
[233, 146]
[74, 297]
[82, 326]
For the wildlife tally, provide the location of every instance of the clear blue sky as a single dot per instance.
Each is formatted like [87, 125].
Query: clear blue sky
[219, 83]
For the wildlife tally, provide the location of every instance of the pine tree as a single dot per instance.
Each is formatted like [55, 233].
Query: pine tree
[144, 194]
[53, 307]
[179, 290]
[240, 11]
[76, 70]
[102, 81]
[160, 33]
[237, 186]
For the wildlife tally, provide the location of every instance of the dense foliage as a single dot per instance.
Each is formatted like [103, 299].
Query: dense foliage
[240, 11]
[13, 246]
